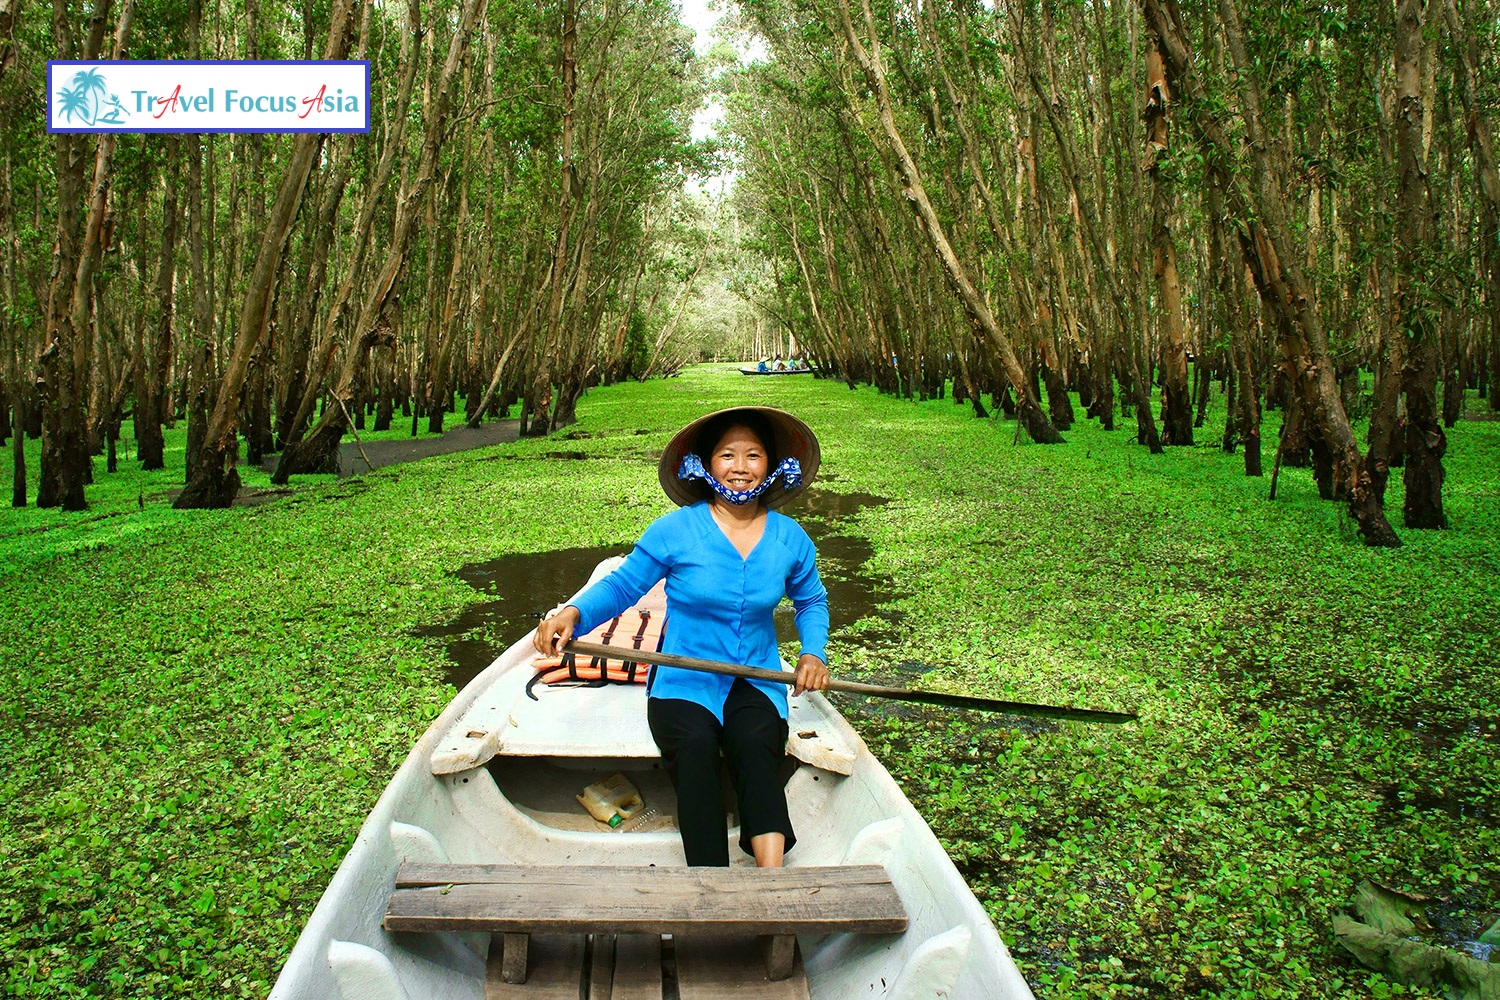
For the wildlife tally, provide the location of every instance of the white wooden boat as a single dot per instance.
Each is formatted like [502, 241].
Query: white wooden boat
[753, 370]
[493, 782]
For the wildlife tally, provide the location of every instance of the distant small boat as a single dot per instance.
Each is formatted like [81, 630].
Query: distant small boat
[491, 788]
[751, 370]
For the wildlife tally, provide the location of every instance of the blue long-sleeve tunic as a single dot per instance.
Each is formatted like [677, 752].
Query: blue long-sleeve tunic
[719, 604]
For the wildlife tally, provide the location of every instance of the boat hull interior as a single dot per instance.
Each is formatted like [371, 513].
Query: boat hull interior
[519, 808]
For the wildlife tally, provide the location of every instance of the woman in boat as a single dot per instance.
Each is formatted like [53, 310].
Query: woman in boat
[728, 559]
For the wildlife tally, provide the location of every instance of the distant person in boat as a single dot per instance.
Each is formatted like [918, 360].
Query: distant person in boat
[762, 367]
[778, 365]
[728, 558]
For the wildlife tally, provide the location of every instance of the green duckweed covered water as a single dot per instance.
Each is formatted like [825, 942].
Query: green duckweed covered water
[200, 707]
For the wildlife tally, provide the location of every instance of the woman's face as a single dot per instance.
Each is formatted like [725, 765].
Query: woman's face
[739, 460]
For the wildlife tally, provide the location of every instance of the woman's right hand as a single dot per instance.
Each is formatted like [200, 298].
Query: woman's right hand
[555, 631]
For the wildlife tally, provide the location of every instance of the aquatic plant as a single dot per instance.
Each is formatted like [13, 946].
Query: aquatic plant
[203, 705]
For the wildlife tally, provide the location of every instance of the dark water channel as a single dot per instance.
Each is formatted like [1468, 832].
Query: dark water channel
[518, 587]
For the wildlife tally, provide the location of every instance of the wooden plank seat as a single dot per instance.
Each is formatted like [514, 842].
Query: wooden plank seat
[519, 900]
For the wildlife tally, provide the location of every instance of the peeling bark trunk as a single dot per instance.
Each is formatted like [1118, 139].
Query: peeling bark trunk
[1126, 345]
[1269, 252]
[259, 437]
[1425, 440]
[1176, 401]
[385, 404]
[1103, 379]
[1426, 443]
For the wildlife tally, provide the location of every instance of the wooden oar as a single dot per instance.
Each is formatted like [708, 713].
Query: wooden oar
[852, 687]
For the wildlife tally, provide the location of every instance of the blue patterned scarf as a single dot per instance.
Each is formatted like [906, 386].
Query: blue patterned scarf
[790, 470]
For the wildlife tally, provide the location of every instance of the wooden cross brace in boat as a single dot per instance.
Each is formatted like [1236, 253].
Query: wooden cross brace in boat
[520, 900]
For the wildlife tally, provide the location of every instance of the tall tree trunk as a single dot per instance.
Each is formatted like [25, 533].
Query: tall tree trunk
[18, 455]
[9, 13]
[1455, 366]
[1176, 401]
[375, 321]
[198, 399]
[1103, 378]
[489, 393]
[214, 480]
[1059, 406]
[306, 315]
[1268, 250]
[65, 466]
[1128, 345]
[432, 303]
[1247, 398]
[411, 48]
[1481, 144]
[259, 436]
[1425, 440]
[1030, 412]
[1203, 377]
[451, 333]
[541, 384]
[152, 367]
[385, 404]
[109, 414]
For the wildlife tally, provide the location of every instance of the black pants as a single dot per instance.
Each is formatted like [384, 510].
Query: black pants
[753, 738]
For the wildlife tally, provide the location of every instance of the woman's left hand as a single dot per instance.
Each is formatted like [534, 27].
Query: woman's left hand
[812, 674]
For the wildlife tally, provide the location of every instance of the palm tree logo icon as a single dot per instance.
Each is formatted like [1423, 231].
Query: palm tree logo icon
[90, 101]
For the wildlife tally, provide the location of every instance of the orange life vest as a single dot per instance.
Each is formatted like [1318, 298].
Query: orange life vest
[634, 629]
